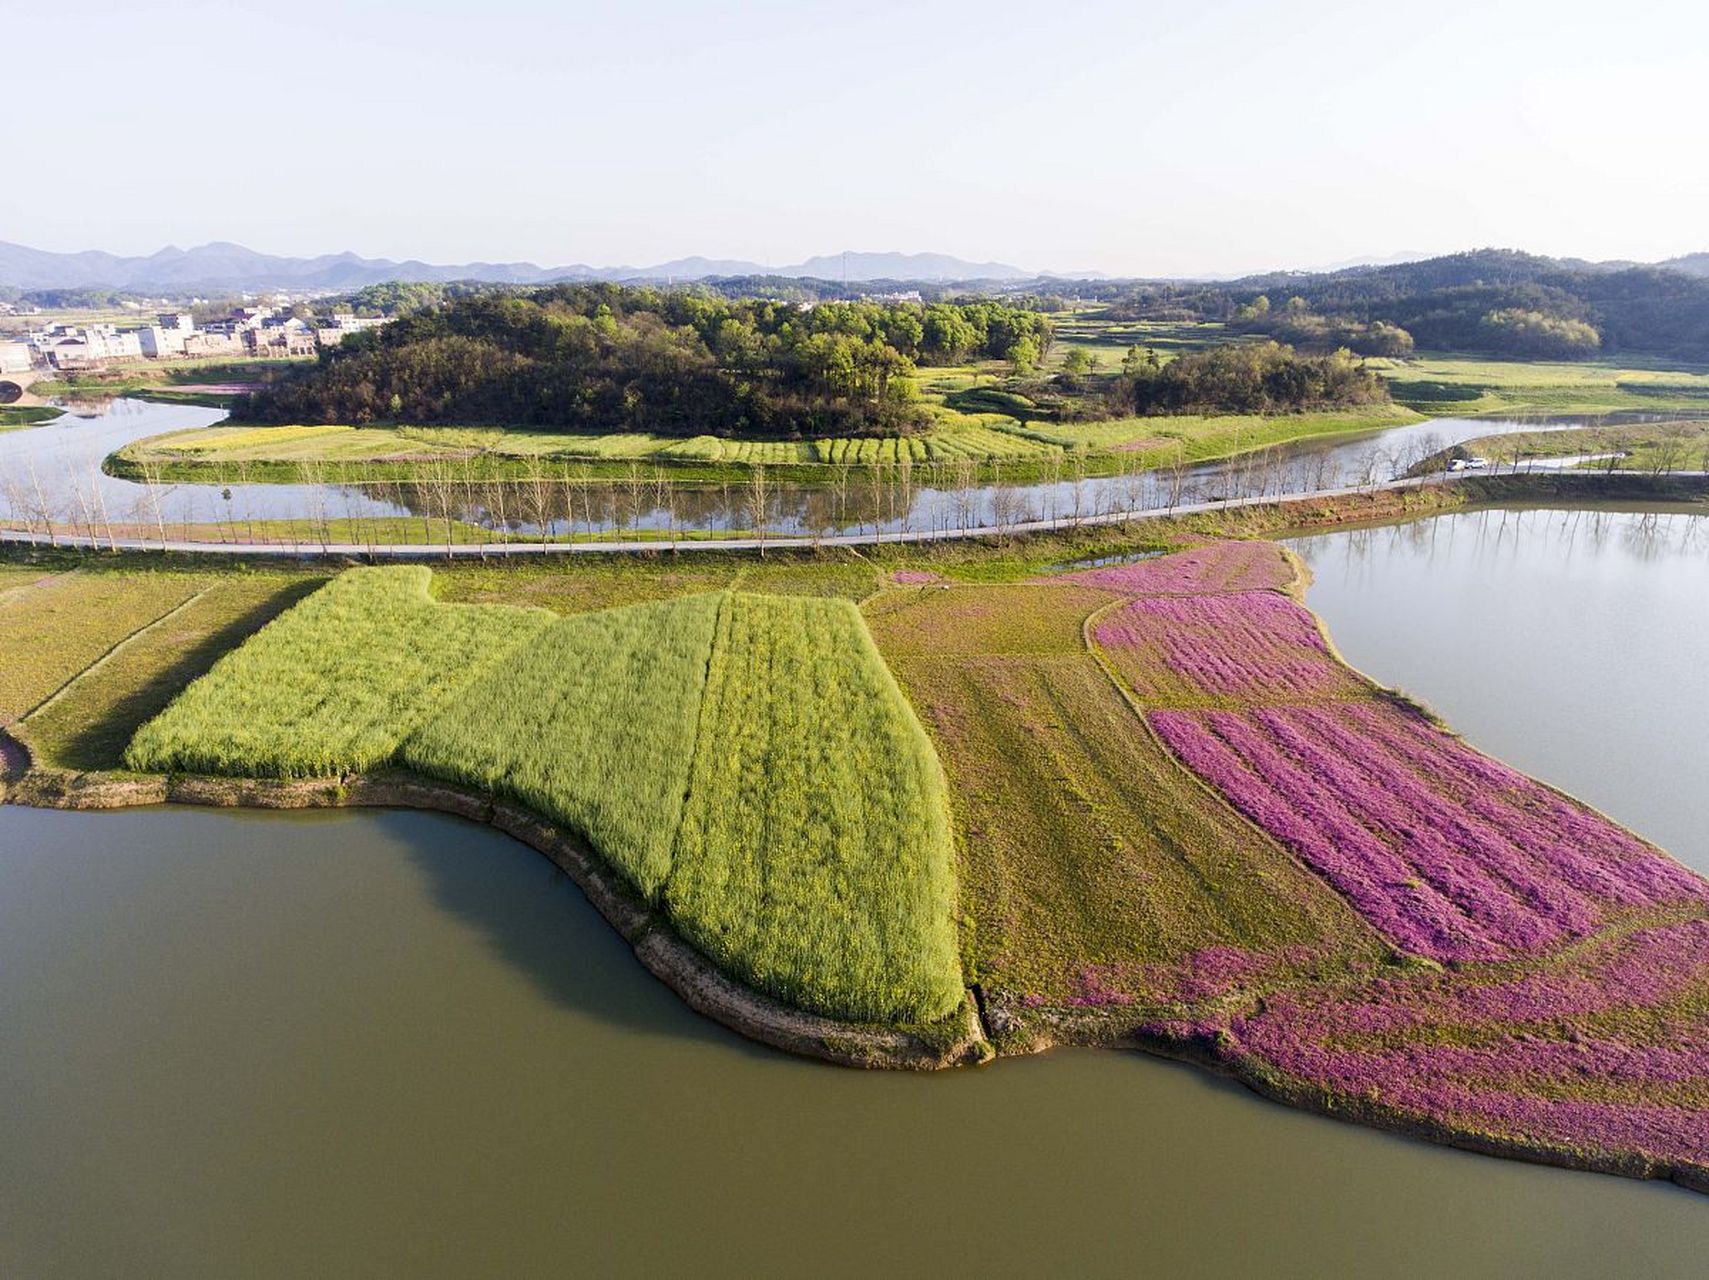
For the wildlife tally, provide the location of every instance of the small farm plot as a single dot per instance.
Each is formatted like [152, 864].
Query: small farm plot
[814, 858]
[56, 627]
[592, 725]
[335, 684]
[1096, 873]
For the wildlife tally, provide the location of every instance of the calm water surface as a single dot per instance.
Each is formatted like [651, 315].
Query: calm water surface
[1573, 644]
[54, 472]
[393, 1043]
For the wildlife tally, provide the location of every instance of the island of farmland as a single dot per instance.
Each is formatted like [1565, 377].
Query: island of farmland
[1143, 804]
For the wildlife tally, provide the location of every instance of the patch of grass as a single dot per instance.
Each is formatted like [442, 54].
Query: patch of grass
[336, 684]
[1463, 386]
[1658, 447]
[52, 630]
[591, 725]
[814, 858]
[87, 724]
[26, 415]
[1157, 441]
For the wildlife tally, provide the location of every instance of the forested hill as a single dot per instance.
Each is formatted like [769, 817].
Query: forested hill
[1495, 301]
[605, 358]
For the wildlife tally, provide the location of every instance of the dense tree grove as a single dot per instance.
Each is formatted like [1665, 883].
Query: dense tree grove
[1249, 377]
[1297, 325]
[610, 358]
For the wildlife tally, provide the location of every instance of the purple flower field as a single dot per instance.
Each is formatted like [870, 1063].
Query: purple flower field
[1573, 1012]
[1244, 645]
[1390, 811]
[1606, 1050]
[1217, 566]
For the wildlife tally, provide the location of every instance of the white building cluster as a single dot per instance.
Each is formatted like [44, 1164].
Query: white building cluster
[248, 331]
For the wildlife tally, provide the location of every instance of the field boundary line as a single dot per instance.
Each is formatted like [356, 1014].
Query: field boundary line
[111, 653]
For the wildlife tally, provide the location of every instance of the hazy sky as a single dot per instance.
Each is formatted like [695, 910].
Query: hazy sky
[1130, 137]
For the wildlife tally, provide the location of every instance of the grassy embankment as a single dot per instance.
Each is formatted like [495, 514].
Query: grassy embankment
[758, 778]
[1446, 385]
[25, 415]
[1657, 448]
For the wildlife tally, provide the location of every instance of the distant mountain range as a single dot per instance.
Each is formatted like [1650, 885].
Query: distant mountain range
[223, 266]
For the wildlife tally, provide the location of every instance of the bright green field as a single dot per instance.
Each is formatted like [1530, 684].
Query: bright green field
[746, 762]
[336, 684]
[1457, 386]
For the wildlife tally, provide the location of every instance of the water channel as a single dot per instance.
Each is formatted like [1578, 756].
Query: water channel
[53, 471]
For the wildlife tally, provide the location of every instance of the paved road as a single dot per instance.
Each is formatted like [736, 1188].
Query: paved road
[439, 550]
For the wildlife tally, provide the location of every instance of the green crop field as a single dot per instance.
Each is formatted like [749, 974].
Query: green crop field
[592, 725]
[336, 684]
[816, 823]
[745, 761]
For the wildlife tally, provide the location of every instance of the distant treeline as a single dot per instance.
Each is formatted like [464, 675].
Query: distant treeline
[599, 358]
[1249, 377]
[1495, 302]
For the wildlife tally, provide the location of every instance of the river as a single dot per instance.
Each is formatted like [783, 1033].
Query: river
[55, 470]
[247, 1043]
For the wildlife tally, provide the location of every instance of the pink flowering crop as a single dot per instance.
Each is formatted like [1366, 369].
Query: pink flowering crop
[914, 577]
[1242, 645]
[1573, 1055]
[1519, 871]
[1573, 1015]
[1220, 566]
